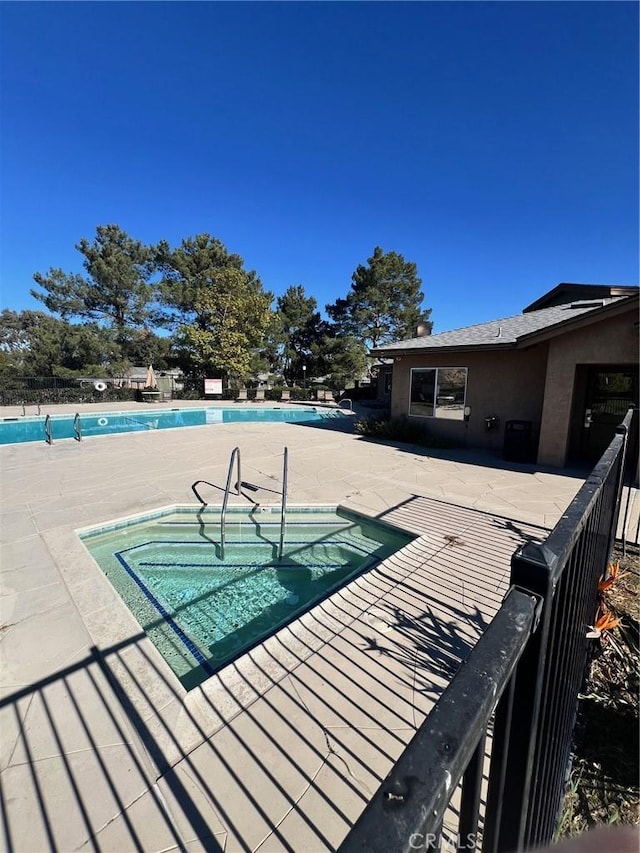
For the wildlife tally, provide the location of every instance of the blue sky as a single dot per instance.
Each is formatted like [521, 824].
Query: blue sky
[494, 144]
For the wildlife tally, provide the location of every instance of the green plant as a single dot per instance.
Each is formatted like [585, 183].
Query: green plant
[602, 788]
[398, 429]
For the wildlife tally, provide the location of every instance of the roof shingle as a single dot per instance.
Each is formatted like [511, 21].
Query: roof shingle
[497, 333]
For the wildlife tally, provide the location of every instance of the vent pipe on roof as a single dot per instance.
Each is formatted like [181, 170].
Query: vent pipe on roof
[422, 331]
[499, 332]
[593, 303]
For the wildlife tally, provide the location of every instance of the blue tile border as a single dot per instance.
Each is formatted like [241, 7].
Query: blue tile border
[329, 566]
[187, 643]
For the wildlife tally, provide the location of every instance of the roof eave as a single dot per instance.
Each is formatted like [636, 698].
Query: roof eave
[429, 350]
[605, 291]
[586, 318]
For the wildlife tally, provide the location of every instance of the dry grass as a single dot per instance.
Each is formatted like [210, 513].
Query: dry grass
[603, 787]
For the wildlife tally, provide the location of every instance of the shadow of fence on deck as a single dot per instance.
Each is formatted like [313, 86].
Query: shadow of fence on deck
[110, 754]
[91, 760]
[71, 771]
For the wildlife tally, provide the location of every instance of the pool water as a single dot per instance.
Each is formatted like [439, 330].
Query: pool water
[202, 610]
[21, 430]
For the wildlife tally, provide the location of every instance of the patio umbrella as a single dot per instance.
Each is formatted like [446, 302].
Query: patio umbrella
[151, 378]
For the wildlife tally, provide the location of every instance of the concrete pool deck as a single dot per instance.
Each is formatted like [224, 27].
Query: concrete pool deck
[101, 748]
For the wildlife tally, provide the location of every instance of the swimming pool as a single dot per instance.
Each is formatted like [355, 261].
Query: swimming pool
[22, 430]
[202, 611]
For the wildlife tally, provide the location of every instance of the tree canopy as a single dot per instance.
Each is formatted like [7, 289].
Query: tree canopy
[231, 312]
[197, 307]
[116, 289]
[33, 343]
[218, 310]
[187, 272]
[345, 360]
[298, 334]
[384, 302]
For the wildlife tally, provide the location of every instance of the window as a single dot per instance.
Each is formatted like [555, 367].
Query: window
[438, 392]
[387, 383]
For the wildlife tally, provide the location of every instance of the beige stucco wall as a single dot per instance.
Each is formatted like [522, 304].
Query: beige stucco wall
[613, 341]
[535, 384]
[507, 384]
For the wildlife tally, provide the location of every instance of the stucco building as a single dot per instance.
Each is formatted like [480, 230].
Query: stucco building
[548, 385]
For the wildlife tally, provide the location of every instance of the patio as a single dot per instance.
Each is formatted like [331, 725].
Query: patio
[282, 750]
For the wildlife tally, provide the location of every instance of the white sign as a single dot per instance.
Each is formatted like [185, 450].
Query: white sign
[213, 386]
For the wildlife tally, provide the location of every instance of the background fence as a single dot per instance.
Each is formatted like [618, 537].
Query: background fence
[528, 668]
[41, 390]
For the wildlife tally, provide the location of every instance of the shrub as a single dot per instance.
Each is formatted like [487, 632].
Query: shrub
[399, 429]
[364, 392]
[77, 394]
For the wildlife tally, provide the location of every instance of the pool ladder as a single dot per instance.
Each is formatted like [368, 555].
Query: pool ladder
[48, 430]
[235, 457]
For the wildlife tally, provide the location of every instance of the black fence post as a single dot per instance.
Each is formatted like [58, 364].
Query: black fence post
[624, 429]
[533, 736]
[517, 713]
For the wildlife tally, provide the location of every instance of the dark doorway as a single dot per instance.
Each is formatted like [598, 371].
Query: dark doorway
[604, 393]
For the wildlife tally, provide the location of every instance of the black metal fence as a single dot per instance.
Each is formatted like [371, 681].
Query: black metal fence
[518, 690]
[41, 390]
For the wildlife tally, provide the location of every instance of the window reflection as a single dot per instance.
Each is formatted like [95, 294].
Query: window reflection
[438, 392]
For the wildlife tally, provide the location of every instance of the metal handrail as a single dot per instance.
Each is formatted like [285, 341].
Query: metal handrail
[77, 427]
[197, 493]
[235, 454]
[346, 400]
[283, 513]
[48, 433]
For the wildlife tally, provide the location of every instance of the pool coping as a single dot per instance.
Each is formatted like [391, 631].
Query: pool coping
[130, 413]
[369, 561]
[223, 696]
[167, 509]
[107, 412]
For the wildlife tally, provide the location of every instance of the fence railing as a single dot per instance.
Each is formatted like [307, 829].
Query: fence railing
[528, 668]
[41, 390]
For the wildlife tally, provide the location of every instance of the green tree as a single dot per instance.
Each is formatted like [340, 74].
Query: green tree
[219, 310]
[144, 346]
[299, 333]
[33, 343]
[384, 302]
[115, 290]
[271, 356]
[189, 271]
[344, 360]
[231, 314]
